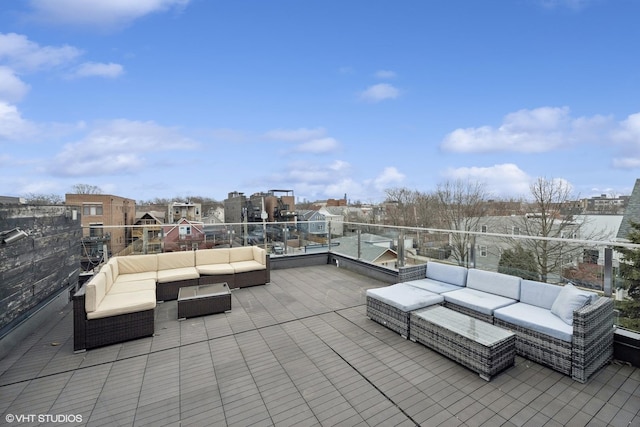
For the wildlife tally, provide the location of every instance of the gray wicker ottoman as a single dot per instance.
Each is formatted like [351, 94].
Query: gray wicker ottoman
[202, 300]
[481, 347]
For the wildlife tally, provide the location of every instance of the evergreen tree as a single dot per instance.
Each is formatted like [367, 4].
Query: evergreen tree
[630, 272]
[519, 262]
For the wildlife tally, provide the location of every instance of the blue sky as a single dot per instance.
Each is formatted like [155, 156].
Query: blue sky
[163, 98]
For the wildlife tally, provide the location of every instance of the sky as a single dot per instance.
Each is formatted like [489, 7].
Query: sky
[177, 98]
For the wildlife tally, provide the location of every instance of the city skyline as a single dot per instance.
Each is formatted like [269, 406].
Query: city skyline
[171, 98]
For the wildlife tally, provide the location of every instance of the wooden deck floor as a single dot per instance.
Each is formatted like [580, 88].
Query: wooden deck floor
[298, 351]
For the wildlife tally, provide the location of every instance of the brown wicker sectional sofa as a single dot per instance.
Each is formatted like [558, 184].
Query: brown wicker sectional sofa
[562, 327]
[118, 303]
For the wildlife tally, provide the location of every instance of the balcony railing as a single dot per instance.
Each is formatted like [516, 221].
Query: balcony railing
[592, 264]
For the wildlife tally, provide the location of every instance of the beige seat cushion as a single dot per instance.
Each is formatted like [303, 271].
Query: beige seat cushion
[176, 274]
[134, 277]
[140, 285]
[213, 269]
[114, 304]
[244, 266]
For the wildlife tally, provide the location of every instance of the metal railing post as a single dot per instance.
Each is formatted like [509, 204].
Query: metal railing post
[608, 272]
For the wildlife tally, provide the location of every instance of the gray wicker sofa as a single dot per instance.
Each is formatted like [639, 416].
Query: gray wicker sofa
[564, 328]
[118, 303]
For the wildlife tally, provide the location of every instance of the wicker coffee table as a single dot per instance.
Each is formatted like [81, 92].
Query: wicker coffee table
[203, 299]
[480, 346]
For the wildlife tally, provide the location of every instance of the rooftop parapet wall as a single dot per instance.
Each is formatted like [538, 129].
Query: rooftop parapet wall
[40, 265]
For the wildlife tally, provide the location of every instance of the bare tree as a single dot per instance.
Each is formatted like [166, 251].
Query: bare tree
[86, 189]
[43, 199]
[552, 217]
[400, 203]
[461, 205]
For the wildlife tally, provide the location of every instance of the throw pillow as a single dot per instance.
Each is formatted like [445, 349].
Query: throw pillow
[568, 300]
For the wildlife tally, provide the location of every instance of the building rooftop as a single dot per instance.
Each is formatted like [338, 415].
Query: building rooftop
[297, 351]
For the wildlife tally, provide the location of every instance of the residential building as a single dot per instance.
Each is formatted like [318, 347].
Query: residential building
[103, 219]
[189, 211]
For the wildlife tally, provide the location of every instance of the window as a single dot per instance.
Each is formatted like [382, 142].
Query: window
[515, 231]
[92, 209]
[483, 229]
[95, 230]
[185, 230]
[483, 250]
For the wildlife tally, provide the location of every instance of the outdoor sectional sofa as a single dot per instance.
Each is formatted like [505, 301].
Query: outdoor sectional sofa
[562, 327]
[118, 303]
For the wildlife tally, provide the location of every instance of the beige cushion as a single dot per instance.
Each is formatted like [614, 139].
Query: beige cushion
[134, 277]
[95, 291]
[136, 264]
[172, 260]
[212, 256]
[176, 274]
[260, 255]
[106, 269]
[243, 266]
[140, 285]
[113, 263]
[114, 304]
[213, 269]
[243, 253]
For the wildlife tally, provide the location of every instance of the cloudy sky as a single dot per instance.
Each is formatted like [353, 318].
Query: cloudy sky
[163, 98]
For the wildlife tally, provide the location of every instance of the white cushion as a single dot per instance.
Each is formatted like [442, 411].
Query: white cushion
[482, 302]
[539, 294]
[134, 277]
[434, 286]
[447, 273]
[123, 303]
[569, 300]
[404, 297]
[496, 283]
[535, 318]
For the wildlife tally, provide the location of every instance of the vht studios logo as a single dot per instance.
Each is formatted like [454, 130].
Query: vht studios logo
[43, 418]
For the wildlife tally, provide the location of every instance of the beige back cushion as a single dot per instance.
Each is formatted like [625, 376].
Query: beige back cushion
[212, 256]
[95, 291]
[106, 269]
[137, 264]
[260, 255]
[169, 260]
[113, 263]
[243, 253]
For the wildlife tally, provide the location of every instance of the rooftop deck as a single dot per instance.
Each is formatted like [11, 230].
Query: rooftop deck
[298, 351]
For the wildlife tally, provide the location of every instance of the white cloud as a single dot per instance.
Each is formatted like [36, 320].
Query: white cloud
[385, 74]
[117, 147]
[380, 92]
[389, 177]
[19, 53]
[12, 125]
[626, 136]
[97, 69]
[323, 145]
[295, 135]
[12, 89]
[504, 180]
[100, 13]
[528, 131]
